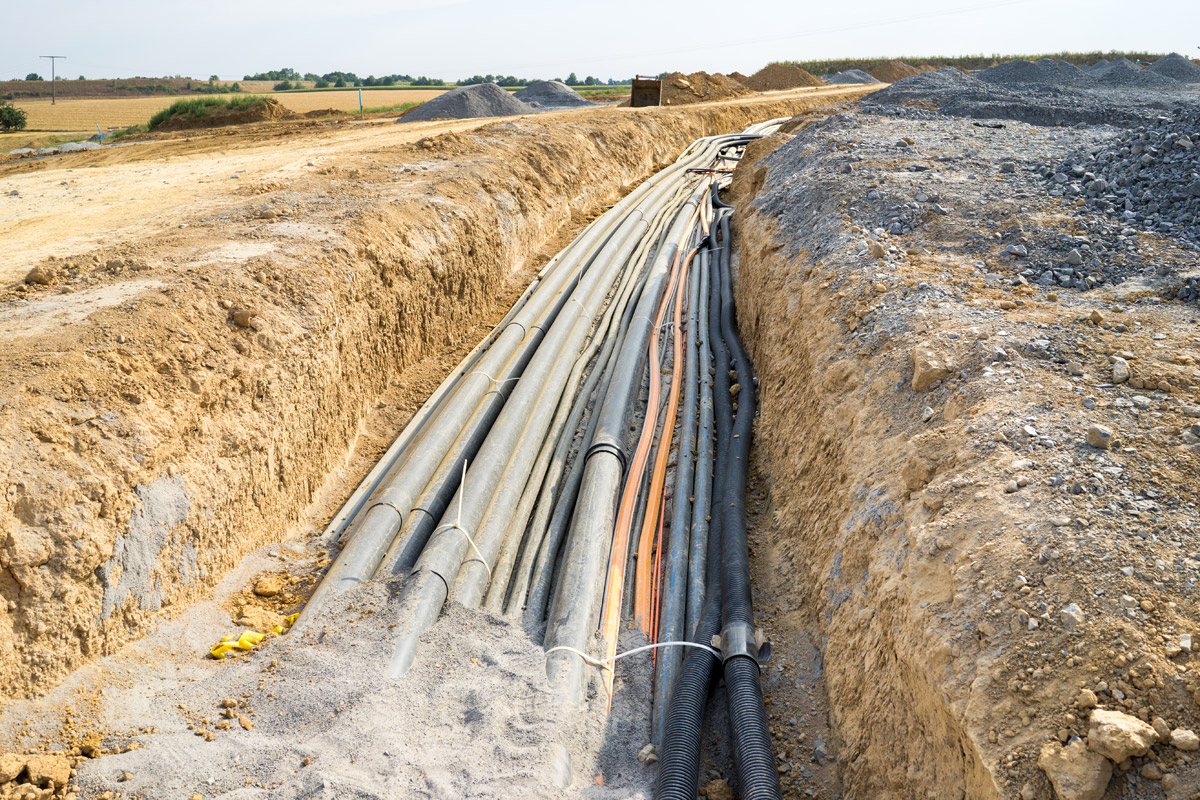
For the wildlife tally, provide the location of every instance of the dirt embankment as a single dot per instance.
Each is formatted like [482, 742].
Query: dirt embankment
[267, 110]
[980, 566]
[172, 403]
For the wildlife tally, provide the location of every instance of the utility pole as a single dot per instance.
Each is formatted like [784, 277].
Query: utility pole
[52, 78]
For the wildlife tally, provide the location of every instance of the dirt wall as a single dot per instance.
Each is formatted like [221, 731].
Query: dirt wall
[170, 404]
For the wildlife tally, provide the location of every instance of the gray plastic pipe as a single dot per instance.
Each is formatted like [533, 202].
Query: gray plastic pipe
[673, 614]
[702, 491]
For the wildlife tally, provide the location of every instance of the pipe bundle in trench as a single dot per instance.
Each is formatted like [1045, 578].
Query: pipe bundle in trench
[540, 468]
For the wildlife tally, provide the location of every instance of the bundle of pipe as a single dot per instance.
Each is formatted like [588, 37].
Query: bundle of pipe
[503, 491]
[505, 412]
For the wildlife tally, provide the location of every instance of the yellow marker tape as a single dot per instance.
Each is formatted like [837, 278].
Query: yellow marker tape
[247, 639]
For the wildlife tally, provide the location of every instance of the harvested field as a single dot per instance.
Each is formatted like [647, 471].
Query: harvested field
[86, 114]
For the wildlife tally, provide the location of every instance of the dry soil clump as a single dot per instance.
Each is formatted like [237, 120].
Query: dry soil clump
[780, 76]
[894, 70]
[699, 87]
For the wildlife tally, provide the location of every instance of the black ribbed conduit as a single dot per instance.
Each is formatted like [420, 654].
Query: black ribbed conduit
[753, 752]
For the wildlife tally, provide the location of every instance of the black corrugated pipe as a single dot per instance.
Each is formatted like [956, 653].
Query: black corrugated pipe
[753, 752]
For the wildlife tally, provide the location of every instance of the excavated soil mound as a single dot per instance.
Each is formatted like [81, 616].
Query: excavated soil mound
[216, 116]
[894, 70]
[780, 76]
[853, 76]
[469, 102]
[551, 94]
[1177, 67]
[699, 87]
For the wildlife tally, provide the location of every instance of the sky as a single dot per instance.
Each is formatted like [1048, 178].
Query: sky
[453, 39]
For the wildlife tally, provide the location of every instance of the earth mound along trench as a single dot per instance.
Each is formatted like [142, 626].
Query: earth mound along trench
[172, 403]
[982, 487]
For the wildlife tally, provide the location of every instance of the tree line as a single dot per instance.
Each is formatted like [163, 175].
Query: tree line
[288, 78]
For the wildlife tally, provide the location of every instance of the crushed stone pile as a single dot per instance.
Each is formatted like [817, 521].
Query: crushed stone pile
[551, 94]
[853, 76]
[699, 87]
[469, 102]
[949, 92]
[1098, 67]
[780, 76]
[1148, 178]
[894, 70]
[1177, 67]
[1125, 74]
[1043, 72]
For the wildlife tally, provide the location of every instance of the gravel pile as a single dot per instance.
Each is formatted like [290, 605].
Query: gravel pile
[1149, 178]
[1177, 67]
[853, 76]
[1098, 67]
[551, 94]
[469, 102]
[949, 92]
[1124, 74]
[1190, 291]
[1043, 72]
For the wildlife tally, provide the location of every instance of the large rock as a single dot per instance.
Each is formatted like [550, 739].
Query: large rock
[1119, 736]
[48, 771]
[11, 765]
[929, 367]
[1075, 772]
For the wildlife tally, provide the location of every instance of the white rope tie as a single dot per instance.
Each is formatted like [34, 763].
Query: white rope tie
[607, 663]
[495, 381]
[457, 526]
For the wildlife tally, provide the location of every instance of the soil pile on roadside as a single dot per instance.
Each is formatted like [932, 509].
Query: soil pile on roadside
[269, 110]
[469, 102]
[894, 70]
[699, 87]
[853, 76]
[551, 94]
[1177, 67]
[780, 76]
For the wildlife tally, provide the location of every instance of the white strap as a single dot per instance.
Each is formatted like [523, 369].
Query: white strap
[608, 662]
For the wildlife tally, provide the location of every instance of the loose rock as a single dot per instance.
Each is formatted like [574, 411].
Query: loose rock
[1075, 772]
[1119, 736]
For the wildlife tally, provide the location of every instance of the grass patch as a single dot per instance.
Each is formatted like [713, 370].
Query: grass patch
[401, 107]
[604, 94]
[196, 107]
[132, 130]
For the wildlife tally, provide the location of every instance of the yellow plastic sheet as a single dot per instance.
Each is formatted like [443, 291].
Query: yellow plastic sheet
[247, 639]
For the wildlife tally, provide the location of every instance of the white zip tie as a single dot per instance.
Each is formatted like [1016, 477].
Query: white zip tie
[457, 526]
[608, 662]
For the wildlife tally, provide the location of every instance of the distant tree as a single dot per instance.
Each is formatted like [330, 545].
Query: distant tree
[81, 78]
[321, 83]
[387, 80]
[283, 86]
[311, 76]
[214, 78]
[11, 117]
[590, 81]
[33, 76]
[341, 83]
[572, 80]
[237, 87]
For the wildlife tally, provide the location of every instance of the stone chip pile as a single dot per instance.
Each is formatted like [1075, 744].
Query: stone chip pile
[1149, 177]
